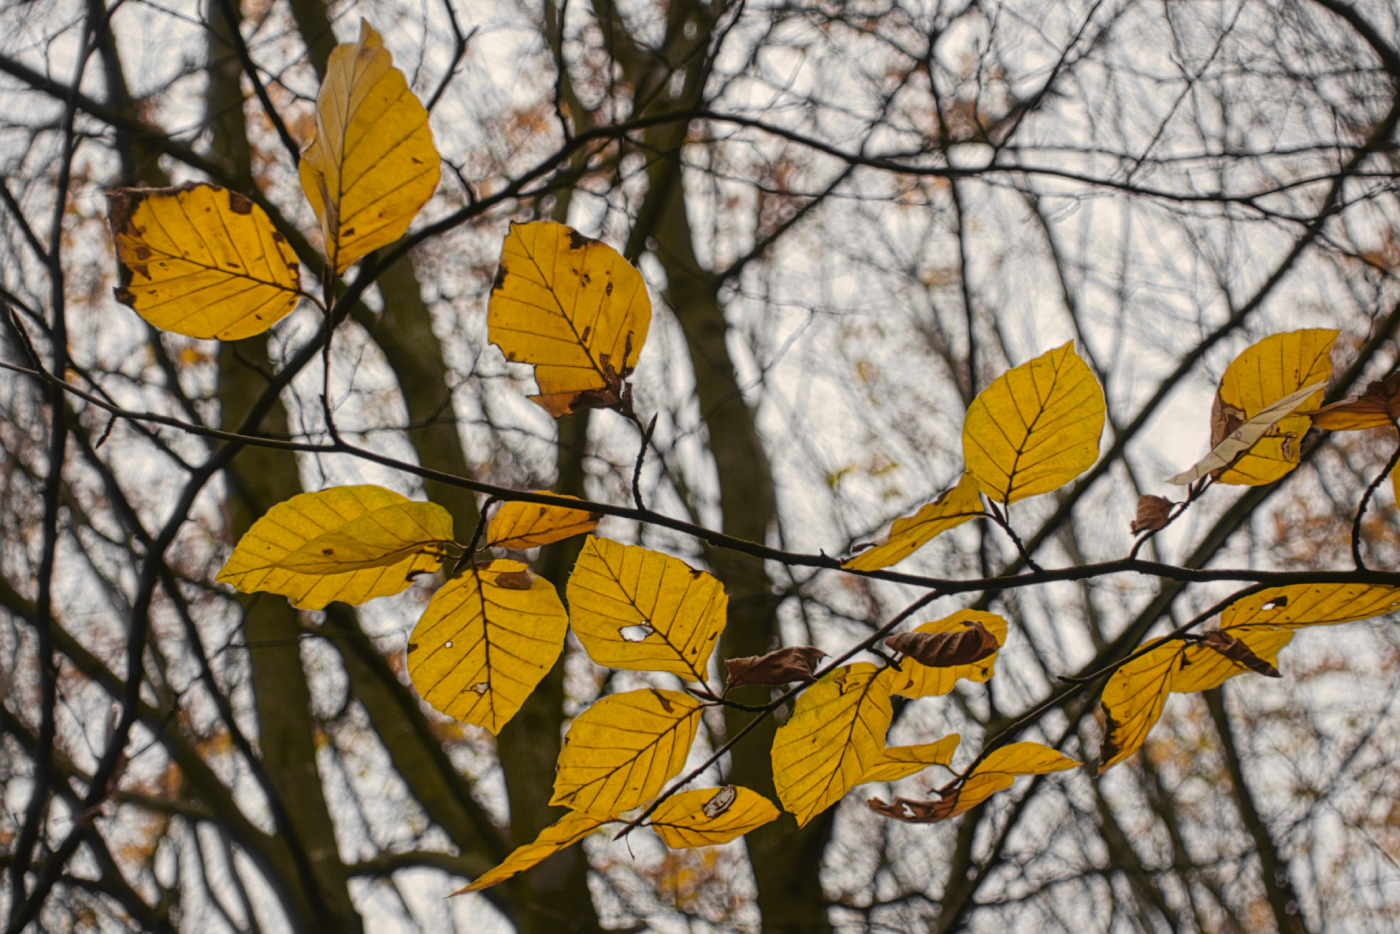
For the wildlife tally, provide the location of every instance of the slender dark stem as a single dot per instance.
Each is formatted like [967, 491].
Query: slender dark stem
[1001, 519]
[1366, 499]
[251, 70]
[637, 469]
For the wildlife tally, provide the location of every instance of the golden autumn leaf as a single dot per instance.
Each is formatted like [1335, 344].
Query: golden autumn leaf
[517, 525]
[902, 761]
[999, 770]
[909, 534]
[347, 543]
[1232, 435]
[1299, 605]
[1271, 370]
[709, 816]
[484, 642]
[572, 307]
[915, 680]
[1203, 666]
[621, 751]
[563, 833]
[641, 610]
[1377, 407]
[1133, 699]
[833, 738]
[1035, 428]
[372, 165]
[202, 261]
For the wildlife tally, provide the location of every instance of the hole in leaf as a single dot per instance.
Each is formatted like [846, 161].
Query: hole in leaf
[1275, 603]
[480, 687]
[635, 633]
[447, 644]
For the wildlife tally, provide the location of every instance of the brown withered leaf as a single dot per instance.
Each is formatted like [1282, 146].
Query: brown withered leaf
[915, 812]
[946, 649]
[1152, 513]
[1237, 651]
[794, 663]
[1377, 407]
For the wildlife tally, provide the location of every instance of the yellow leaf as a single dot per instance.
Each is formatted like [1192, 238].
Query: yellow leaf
[1035, 428]
[574, 308]
[1238, 435]
[915, 680]
[1275, 367]
[1000, 770]
[1299, 605]
[1202, 668]
[565, 832]
[484, 642]
[906, 536]
[202, 261]
[902, 761]
[517, 526]
[709, 816]
[645, 611]
[347, 543]
[833, 739]
[1133, 698]
[372, 165]
[622, 750]
[1377, 407]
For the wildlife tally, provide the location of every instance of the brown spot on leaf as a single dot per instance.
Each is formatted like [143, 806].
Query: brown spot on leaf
[1237, 651]
[665, 701]
[515, 580]
[578, 241]
[143, 252]
[327, 551]
[500, 281]
[238, 204]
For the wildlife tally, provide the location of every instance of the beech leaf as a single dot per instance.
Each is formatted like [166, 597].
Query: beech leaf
[575, 309]
[794, 663]
[1152, 513]
[563, 833]
[946, 649]
[1377, 407]
[519, 525]
[710, 816]
[202, 261]
[1238, 651]
[913, 679]
[907, 535]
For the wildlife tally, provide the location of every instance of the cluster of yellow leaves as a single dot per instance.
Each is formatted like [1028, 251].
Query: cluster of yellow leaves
[1034, 429]
[1261, 623]
[205, 262]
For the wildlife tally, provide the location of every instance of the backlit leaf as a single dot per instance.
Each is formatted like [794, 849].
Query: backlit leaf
[1035, 428]
[834, 737]
[484, 642]
[902, 761]
[1133, 699]
[997, 771]
[946, 649]
[563, 833]
[642, 610]
[347, 543]
[372, 165]
[1298, 605]
[906, 536]
[517, 525]
[1269, 371]
[202, 261]
[1377, 407]
[1240, 435]
[621, 751]
[709, 816]
[1202, 667]
[915, 680]
[574, 308]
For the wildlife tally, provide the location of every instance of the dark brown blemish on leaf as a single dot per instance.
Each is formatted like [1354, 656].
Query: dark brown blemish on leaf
[578, 241]
[500, 281]
[327, 551]
[665, 703]
[143, 252]
[608, 290]
[238, 204]
[413, 646]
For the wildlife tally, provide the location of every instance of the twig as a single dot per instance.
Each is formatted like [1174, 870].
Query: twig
[637, 470]
[1365, 499]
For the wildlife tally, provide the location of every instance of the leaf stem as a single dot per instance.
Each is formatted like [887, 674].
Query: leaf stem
[1366, 499]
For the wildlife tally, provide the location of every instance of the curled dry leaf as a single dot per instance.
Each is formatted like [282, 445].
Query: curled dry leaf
[1377, 407]
[794, 663]
[1152, 513]
[1237, 651]
[946, 649]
